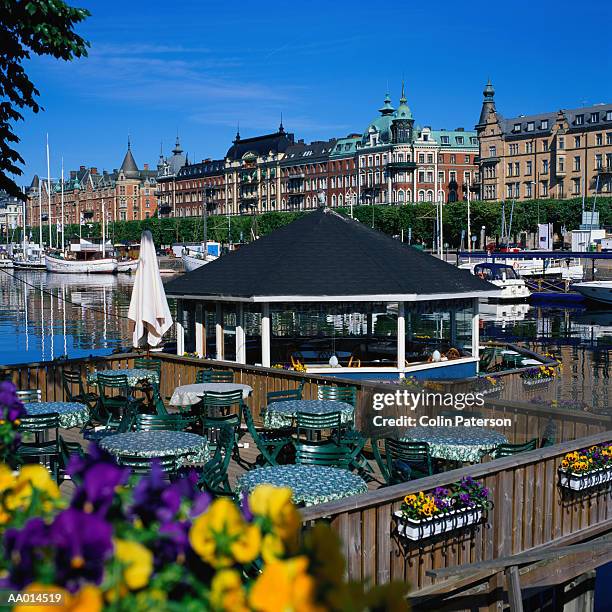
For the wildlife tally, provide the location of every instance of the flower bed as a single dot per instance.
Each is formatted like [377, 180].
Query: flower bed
[586, 468]
[424, 515]
[161, 545]
[539, 376]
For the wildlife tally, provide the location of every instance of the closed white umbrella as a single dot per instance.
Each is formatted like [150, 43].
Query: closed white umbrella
[149, 307]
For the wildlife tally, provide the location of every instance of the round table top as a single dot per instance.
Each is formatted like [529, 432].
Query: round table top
[531, 362]
[187, 395]
[162, 443]
[310, 484]
[71, 414]
[134, 375]
[467, 444]
[281, 414]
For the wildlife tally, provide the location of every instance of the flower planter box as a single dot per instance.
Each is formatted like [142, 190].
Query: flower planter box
[531, 382]
[413, 529]
[492, 390]
[580, 482]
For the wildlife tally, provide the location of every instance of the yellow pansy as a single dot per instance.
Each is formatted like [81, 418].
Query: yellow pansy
[227, 592]
[137, 561]
[274, 503]
[29, 478]
[6, 477]
[221, 535]
[88, 599]
[283, 586]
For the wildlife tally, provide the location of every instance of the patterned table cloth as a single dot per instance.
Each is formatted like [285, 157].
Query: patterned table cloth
[149, 444]
[71, 414]
[465, 444]
[134, 375]
[311, 484]
[187, 395]
[281, 414]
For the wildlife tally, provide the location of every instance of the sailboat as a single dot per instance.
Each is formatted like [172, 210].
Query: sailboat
[199, 258]
[84, 257]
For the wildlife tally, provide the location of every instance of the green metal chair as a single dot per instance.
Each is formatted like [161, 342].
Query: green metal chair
[339, 394]
[213, 477]
[124, 425]
[41, 450]
[312, 426]
[269, 442]
[66, 450]
[112, 407]
[549, 436]
[155, 422]
[403, 461]
[285, 395]
[488, 356]
[205, 376]
[141, 465]
[322, 453]
[147, 363]
[72, 379]
[27, 396]
[506, 450]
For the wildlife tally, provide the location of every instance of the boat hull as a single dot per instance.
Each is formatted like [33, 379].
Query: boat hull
[71, 266]
[192, 263]
[127, 267]
[598, 291]
[37, 264]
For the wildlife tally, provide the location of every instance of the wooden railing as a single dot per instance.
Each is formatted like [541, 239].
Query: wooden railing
[529, 511]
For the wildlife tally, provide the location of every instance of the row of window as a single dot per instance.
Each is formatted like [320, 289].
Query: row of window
[580, 119]
[514, 168]
[514, 148]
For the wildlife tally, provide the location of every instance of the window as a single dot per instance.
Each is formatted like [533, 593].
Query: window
[517, 190]
[544, 124]
[459, 140]
[576, 164]
[509, 171]
[453, 158]
[492, 151]
[530, 126]
[452, 176]
[594, 117]
[421, 177]
[609, 138]
[529, 189]
[513, 149]
[579, 119]
[544, 166]
[599, 161]
[473, 140]
[430, 158]
[561, 164]
[576, 142]
[426, 137]
[599, 139]
[441, 176]
[445, 140]
[421, 158]
[609, 115]
[441, 159]
[545, 145]
[517, 127]
[561, 143]
[517, 169]
[466, 178]
[430, 177]
[529, 147]
[509, 190]
[576, 186]
[544, 188]
[467, 159]
[528, 168]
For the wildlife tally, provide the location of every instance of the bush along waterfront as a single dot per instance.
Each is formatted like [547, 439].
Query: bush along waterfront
[418, 218]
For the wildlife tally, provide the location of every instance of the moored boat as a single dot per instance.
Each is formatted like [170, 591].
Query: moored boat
[193, 262]
[512, 286]
[61, 265]
[598, 291]
[127, 266]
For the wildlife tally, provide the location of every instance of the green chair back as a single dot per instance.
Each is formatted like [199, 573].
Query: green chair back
[287, 394]
[204, 376]
[141, 465]
[155, 422]
[213, 477]
[327, 454]
[339, 394]
[146, 363]
[27, 396]
[72, 379]
[506, 450]
[315, 424]
[269, 443]
[39, 423]
[404, 460]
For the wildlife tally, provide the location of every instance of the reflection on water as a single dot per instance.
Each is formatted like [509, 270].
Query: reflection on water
[580, 335]
[62, 314]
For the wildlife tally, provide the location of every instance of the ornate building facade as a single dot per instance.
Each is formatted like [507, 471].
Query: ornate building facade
[126, 194]
[549, 155]
[394, 161]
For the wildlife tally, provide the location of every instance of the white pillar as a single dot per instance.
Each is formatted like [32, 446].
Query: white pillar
[475, 329]
[401, 336]
[219, 330]
[200, 330]
[265, 335]
[180, 331]
[240, 335]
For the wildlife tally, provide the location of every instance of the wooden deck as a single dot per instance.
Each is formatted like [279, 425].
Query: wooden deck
[531, 513]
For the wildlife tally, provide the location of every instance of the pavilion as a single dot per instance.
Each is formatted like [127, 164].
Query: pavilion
[329, 293]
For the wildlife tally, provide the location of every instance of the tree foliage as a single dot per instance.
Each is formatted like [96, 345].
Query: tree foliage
[29, 27]
[418, 218]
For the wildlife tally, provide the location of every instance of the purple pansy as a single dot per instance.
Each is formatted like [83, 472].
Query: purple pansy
[24, 549]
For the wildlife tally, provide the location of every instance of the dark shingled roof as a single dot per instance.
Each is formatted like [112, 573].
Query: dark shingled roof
[325, 254]
[129, 167]
[260, 145]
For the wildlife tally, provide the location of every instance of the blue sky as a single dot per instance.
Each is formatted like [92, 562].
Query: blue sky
[200, 67]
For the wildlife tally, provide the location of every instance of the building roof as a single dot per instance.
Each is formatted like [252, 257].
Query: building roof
[456, 139]
[324, 256]
[345, 147]
[303, 153]
[128, 166]
[209, 167]
[278, 142]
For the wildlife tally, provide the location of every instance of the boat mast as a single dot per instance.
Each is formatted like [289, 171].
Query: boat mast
[469, 220]
[40, 239]
[49, 193]
[103, 233]
[205, 223]
[63, 236]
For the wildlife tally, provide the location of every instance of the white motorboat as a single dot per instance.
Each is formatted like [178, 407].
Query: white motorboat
[6, 264]
[193, 262]
[505, 277]
[61, 265]
[30, 264]
[127, 266]
[598, 291]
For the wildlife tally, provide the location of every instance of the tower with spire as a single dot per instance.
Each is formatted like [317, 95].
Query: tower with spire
[488, 105]
[128, 166]
[403, 121]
